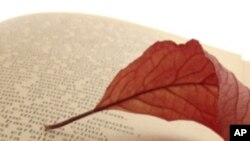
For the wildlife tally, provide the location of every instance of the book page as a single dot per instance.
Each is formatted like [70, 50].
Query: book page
[44, 83]
[53, 67]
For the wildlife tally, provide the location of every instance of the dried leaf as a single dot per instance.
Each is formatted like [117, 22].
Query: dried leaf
[180, 82]
[174, 82]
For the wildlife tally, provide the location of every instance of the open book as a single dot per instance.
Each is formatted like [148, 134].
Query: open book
[55, 66]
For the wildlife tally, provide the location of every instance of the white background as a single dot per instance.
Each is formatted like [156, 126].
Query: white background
[220, 23]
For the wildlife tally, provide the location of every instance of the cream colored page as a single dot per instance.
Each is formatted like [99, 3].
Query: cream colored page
[51, 69]
[44, 79]
[37, 88]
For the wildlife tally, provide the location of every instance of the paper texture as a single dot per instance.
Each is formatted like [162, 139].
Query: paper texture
[54, 66]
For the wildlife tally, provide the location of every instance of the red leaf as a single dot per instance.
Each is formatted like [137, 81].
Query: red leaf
[180, 82]
[173, 82]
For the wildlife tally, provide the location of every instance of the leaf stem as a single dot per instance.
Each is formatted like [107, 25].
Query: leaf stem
[97, 109]
[72, 119]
